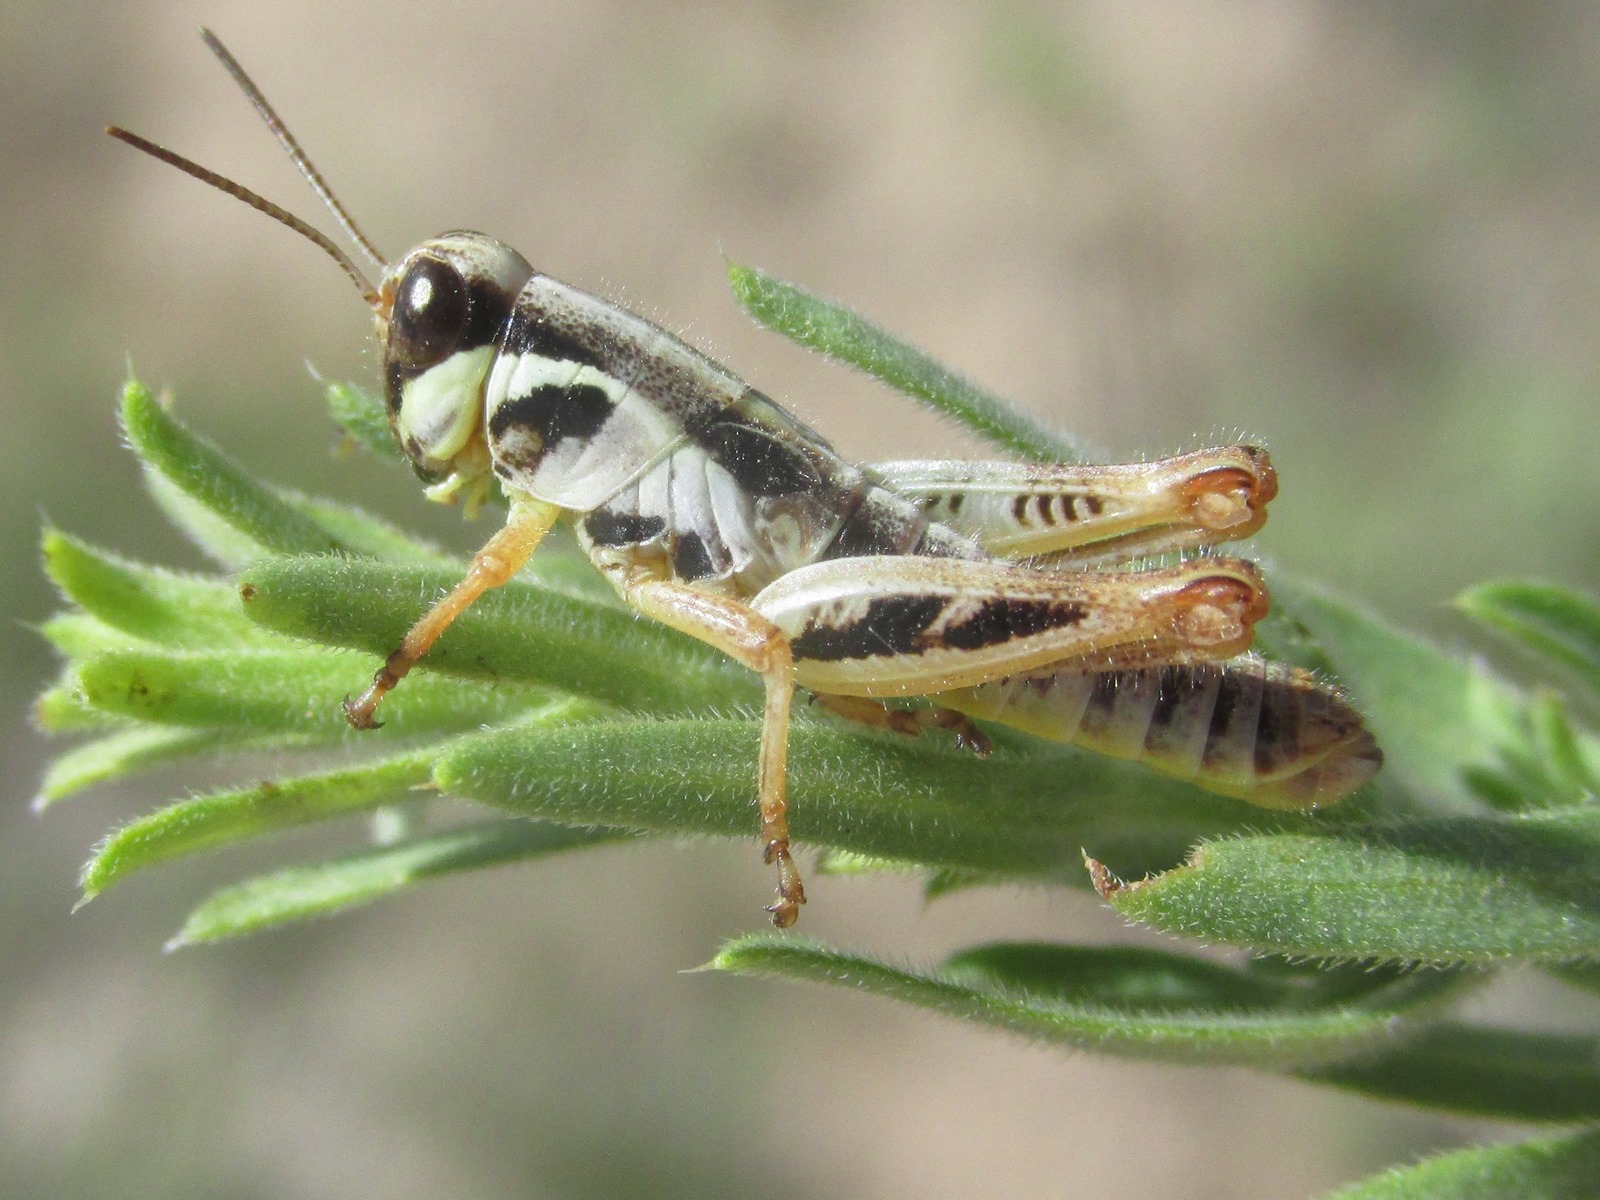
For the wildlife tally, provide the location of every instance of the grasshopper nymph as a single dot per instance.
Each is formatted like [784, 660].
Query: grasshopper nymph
[714, 511]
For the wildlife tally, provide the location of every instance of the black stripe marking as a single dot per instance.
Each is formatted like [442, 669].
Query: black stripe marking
[880, 524]
[1094, 504]
[606, 528]
[690, 559]
[758, 460]
[554, 412]
[1174, 687]
[1002, 620]
[541, 338]
[1102, 700]
[1228, 697]
[1019, 508]
[891, 625]
[1277, 730]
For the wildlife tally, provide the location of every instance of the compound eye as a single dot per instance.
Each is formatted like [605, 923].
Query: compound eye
[430, 313]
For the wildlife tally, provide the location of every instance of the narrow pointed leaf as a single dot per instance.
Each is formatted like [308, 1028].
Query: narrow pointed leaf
[1551, 1168]
[1160, 980]
[1553, 622]
[925, 802]
[1584, 975]
[363, 418]
[291, 691]
[214, 480]
[1437, 718]
[517, 632]
[299, 893]
[219, 540]
[361, 533]
[78, 635]
[124, 752]
[842, 334]
[1236, 1036]
[63, 709]
[1500, 1074]
[147, 602]
[1445, 890]
[232, 816]
[1563, 751]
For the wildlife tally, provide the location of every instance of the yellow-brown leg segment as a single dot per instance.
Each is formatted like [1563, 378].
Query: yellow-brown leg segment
[907, 721]
[500, 559]
[750, 639]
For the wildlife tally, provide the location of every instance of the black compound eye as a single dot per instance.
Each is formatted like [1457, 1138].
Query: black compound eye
[430, 313]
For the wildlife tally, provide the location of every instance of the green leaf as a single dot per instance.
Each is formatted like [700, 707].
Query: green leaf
[130, 750]
[216, 537]
[1552, 1168]
[298, 893]
[516, 632]
[231, 816]
[215, 481]
[287, 692]
[63, 709]
[1554, 622]
[1019, 814]
[1584, 975]
[1440, 890]
[1439, 719]
[363, 418]
[1083, 1016]
[361, 533]
[78, 635]
[1501, 1074]
[147, 602]
[844, 335]
[1129, 976]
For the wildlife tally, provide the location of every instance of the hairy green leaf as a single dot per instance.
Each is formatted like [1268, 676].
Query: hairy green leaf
[1015, 813]
[214, 480]
[1440, 890]
[130, 750]
[1158, 1029]
[286, 691]
[363, 418]
[1553, 622]
[850, 338]
[1552, 1168]
[517, 632]
[231, 816]
[147, 602]
[1437, 717]
[1502, 1074]
[298, 893]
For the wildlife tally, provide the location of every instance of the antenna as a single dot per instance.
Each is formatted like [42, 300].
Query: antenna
[260, 203]
[255, 201]
[292, 147]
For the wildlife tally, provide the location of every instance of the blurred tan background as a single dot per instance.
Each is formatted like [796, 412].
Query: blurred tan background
[1368, 234]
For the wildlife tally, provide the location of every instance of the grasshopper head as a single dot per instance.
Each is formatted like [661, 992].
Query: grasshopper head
[439, 311]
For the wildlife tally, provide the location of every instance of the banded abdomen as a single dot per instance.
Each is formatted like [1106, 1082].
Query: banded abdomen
[1250, 729]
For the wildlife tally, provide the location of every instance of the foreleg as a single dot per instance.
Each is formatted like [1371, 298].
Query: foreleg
[500, 559]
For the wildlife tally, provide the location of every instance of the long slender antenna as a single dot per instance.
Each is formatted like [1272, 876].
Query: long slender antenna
[292, 147]
[259, 203]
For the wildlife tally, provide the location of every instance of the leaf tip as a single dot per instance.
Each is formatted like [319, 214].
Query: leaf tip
[1106, 885]
[178, 941]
